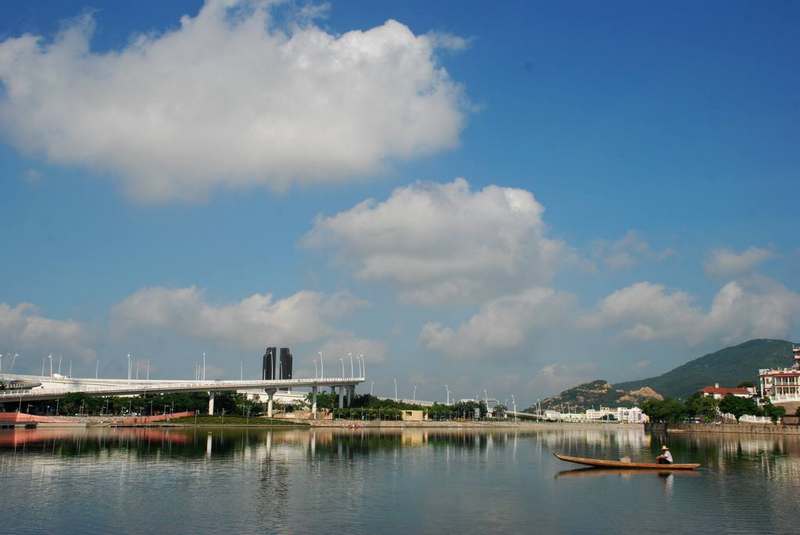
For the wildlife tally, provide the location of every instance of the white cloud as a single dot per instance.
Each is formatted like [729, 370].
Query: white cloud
[501, 325]
[752, 308]
[230, 99]
[725, 263]
[557, 376]
[251, 323]
[22, 328]
[32, 176]
[626, 252]
[443, 242]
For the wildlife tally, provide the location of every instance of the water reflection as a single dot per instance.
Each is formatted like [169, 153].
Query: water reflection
[412, 481]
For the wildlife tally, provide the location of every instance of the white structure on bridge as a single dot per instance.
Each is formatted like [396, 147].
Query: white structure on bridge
[37, 388]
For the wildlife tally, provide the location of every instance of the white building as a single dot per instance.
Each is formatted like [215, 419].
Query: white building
[782, 386]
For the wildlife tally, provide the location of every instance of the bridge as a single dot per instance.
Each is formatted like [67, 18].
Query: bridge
[55, 387]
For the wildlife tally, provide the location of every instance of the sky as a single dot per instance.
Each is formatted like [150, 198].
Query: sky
[510, 197]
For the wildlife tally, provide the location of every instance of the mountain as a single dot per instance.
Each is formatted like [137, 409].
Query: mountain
[728, 367]
[596, 394]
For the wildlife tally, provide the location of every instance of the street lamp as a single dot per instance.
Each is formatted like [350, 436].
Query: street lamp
[415, 392]
[351, 365]
[50, 356]
[395, 389]
[514, 404]
[363, 365]
[321, 366]
[341, 360]
[447, 394]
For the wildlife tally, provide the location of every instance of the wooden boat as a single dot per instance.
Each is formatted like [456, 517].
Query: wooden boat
[603, 463]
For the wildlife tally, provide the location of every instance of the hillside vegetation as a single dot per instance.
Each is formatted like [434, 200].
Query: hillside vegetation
[597, 394]
[728, 367]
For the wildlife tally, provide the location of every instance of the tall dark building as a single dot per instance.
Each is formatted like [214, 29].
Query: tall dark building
[286, 363]
[268, 364]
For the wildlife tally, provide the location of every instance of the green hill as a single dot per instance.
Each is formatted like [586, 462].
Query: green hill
[595, 394]
[728, 367]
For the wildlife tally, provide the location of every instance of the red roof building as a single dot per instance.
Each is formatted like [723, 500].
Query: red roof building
[719, 392]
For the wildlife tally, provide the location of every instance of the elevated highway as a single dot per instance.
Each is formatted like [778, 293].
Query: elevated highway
[49, 388]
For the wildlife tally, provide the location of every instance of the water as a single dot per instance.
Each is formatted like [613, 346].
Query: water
[297, 481]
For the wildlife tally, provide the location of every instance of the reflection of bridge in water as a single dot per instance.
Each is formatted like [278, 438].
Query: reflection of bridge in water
[54, 387]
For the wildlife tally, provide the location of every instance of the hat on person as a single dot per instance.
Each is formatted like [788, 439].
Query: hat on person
[664, 447]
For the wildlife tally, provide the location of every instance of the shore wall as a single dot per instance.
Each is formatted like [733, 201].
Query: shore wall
[750, 429]
[743, 428]
[510, 426]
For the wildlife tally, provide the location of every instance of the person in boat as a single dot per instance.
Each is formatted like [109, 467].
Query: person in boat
[665, 457]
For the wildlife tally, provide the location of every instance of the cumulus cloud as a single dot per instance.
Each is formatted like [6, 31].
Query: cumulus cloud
[501, 325]
[557, 376]
[725, 263]
[752, 308]
[231, 99]
[444, 242]
[626, 252]
[249, 324]
[22, 328]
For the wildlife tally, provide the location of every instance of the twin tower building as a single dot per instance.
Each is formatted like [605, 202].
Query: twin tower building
[272, 368]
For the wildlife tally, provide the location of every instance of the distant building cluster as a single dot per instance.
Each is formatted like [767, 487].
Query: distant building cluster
[628, 415]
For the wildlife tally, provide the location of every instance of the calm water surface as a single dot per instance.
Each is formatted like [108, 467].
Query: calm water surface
[297, 481]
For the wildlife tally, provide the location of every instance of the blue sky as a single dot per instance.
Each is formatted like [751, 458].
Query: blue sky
[652, 149]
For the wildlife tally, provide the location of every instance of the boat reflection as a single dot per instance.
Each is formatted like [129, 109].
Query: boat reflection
[621, 472]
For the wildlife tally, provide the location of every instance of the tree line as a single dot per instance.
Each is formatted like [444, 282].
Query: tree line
[707, 409]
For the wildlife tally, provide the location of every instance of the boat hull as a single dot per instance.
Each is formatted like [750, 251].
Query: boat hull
[603, 463]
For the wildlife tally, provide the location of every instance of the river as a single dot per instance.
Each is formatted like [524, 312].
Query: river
[164, 480]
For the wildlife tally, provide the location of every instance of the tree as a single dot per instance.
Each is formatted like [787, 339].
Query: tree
[775, 413]
[667, 410]
[701, 406]
[739, 406]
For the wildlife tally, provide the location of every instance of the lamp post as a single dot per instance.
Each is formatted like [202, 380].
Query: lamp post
[341, 360]
[321, 366]
[50, 356]
[204, 365]
[447, 395]
[395, 389]
[129, 367]
[415, 392]
[351, 365]
[316, 370]
[514, 404]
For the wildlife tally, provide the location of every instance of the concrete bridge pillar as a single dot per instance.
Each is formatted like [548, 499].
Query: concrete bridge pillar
[211, 403]
[341, 397]
[314, 402]
[270, 394]
[351, 393]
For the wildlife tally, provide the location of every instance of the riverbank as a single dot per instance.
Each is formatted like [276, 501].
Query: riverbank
[741, 428]
[185, 420]
[469, 424]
